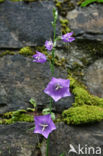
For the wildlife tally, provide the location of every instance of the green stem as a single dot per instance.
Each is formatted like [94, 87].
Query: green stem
[47, 149]
[51, 101]
[52, 71]
[52, 63]
[53, 50]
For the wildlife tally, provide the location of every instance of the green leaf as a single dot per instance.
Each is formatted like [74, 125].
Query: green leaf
[53, 116]
[61, 154]
[87, 2]
[47, 111]
[31, 128]
[33, 102]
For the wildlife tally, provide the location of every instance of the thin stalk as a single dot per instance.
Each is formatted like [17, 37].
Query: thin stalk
[52, 71]
[53, 50]
[47, 149]
[51, 101]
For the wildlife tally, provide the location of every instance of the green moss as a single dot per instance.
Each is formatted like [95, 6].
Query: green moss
[64, 26]
[26, 51]
[7, 52]
[16, 0]
[0, 121]
[24, 0]
[79, 2]
[7, 121]
[24, 117]
[20, 116]
[82, 115]
[64, 6]
[15, 116]
[30, 0]
[93, 51]
[41, 49]
[87, 108]
[1, 1]
[7, 115]
[82, 96]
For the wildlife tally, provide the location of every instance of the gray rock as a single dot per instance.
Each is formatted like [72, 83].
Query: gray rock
[75, 56]
[17, 139]
[85, 136]
[23, 24]
[87, 22]
[21, 79]
[94, 78]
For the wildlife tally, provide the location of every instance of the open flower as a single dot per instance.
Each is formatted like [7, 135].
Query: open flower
[49, 45]
[44, 125]
[68, 37]
[58, 88]
[39, 57]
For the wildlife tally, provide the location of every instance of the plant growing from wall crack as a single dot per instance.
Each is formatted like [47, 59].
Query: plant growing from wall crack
[57, 88]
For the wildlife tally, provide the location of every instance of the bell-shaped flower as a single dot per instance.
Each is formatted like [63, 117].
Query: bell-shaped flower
[39, 57]
[68, 37]
[49, 45]
[58, 88]
[44, 125]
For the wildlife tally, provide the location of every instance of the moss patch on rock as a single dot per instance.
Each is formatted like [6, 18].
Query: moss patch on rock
[24, 1]
[16, 116]
[64, 6]
[79, 2]
[82, 96]
[26, 51]
[87, 108]
[83, 115]
[1, 1]
[7, 52]
[89, 46]
[64, 26]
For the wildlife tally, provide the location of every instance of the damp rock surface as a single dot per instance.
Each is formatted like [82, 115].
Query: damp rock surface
[84, 136]
[25, 24]
[21, 79]
[17, 139]
[94, 78]
[87, 22]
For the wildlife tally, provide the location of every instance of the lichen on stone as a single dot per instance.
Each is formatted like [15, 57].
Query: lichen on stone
[83, 115]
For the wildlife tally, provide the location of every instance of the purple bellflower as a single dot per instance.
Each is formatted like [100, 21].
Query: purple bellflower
[49, 45]
[39, 57]
[58, 88]
[44, 125]
[68, 37]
